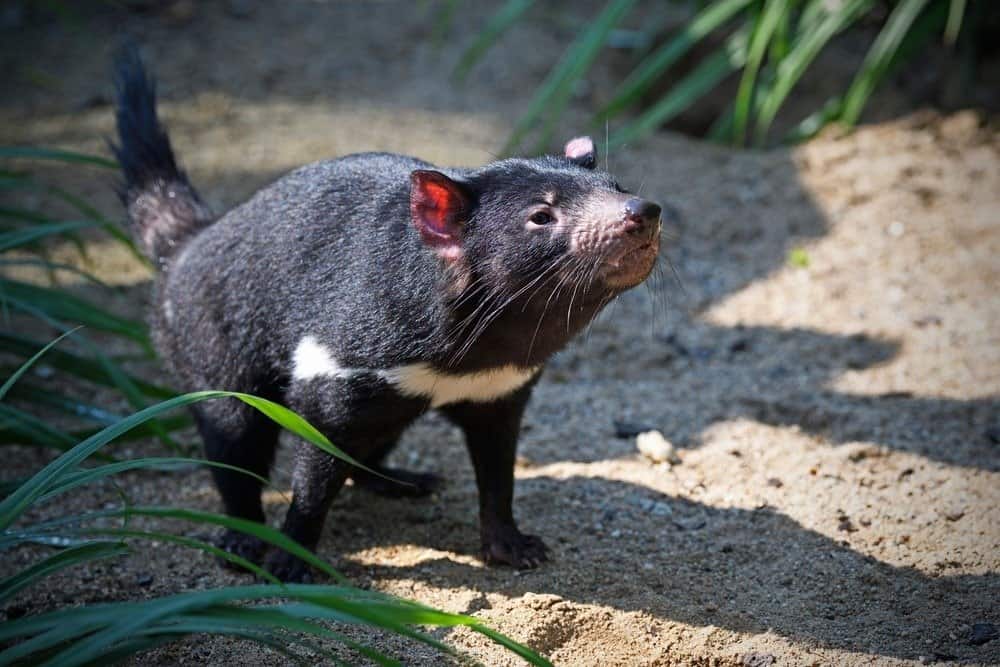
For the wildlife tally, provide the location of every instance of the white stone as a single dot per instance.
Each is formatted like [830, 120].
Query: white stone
[656, 448]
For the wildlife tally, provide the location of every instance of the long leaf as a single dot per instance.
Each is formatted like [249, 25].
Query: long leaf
[760, 39]
[77, 365]
[878, 58]
[29, 363]
[30, 235]
[15, 504]
[61, 305]
[498, 24]
[685, 92]
[30, 430]
[89, 475]
[554, 92]
[802, 54]
[653, 66]
[66, 558]
[33, 153]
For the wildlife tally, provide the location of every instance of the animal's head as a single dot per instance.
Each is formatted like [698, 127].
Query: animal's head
[518, 225]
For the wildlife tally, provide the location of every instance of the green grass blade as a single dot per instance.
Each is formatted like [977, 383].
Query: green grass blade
[760, 40]
[66, 558]
[956, 12]
[259, 530]
[555, 91]
[60, 305]
[280, 617]
[79, 478]
[511, 645]
[30, 430]
[53, 268]
[15, 504]
[81, 367]
[41, 482]
[28, 236]
[143, 431]
[803, 52]
[714, 16]
[498, 24]
[682, 95]
[44, 396]
[30, 152]
[188, 542]
[878, 58]
[89, 212]
[816, 121]
[29, 363]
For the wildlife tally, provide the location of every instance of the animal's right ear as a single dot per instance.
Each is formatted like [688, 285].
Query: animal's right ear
[581, 151]
[439, 208]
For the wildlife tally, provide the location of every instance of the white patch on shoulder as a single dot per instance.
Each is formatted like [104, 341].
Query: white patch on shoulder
[312, 360]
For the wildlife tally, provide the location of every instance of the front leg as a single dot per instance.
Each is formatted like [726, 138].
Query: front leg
[316, 479]
[491, 432]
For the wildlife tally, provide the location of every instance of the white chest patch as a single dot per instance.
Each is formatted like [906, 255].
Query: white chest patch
[312, 360]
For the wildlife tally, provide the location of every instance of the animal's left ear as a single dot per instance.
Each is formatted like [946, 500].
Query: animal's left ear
[439, 208]
[581, 151]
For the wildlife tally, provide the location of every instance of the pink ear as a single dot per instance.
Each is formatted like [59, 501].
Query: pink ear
[582, 152]
[438, 207]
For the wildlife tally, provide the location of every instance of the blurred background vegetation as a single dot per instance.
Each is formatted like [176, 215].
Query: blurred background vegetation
[725, 69]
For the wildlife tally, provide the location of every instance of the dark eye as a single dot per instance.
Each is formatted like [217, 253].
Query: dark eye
[540, 218]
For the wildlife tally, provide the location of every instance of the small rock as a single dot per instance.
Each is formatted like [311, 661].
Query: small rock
[661, 509]
[844, 524]
[624, 429]
[656, 448]
[758, 660]
[954, 515]
[739, 345]
[144, 580]
[775, 482]
[982, 633]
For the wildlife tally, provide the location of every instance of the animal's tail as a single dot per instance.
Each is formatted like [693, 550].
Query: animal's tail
[163, 209]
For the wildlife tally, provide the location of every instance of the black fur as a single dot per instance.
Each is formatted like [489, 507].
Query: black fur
[385, 263]
[163, 207]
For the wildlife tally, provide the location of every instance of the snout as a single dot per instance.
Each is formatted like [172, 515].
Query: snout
[636, 241]
[642, 218]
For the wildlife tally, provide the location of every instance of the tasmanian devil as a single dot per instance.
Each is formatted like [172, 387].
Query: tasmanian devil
[363, 292]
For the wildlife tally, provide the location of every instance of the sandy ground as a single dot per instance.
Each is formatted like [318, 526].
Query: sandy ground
[837, 423]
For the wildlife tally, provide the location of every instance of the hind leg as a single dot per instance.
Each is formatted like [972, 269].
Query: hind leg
[414, 484]
[237, 435]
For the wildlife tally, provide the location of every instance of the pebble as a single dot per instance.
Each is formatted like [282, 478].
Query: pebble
[982, 633]
[758, 660]
[656, 448]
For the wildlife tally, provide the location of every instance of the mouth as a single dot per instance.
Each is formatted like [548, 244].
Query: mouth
[629, 267]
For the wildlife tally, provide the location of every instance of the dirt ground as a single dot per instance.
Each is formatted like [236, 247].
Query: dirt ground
[827, 361]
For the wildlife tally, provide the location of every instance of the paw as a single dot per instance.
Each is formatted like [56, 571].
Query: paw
[416, 484]
[288, 568]
[242, 545]
[511, 547]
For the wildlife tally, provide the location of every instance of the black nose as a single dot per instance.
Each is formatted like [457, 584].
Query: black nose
[643, 216]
